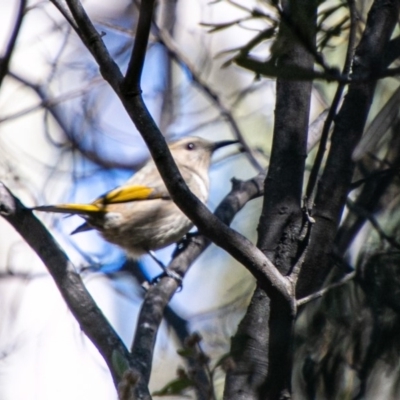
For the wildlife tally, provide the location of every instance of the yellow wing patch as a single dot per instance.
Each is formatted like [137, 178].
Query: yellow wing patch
[128, 193]
[122, 194]
[71, 208]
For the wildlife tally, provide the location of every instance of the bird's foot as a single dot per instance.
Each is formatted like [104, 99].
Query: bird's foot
[166, 272]
[170, 274]
[184, 242]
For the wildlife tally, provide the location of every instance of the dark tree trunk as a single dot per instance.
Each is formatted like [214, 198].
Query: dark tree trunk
[262, 347]
[349, 125]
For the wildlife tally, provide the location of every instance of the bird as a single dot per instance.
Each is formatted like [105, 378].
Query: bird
[140, 215]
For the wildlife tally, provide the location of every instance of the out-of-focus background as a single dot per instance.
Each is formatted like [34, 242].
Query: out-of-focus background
[64, 136]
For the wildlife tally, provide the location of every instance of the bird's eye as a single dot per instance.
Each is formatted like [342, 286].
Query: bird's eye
[190, 146]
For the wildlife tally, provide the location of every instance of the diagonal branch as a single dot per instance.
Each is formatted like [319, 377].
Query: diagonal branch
[52, 105]
[135, 67]
[320, 293]
[158, 296]
[234, 243]
[59, 4]
[349, 125]
[333, 108]
[166, 39]
[5, 61]
[366, 214]
[79, 301]
[94, 43]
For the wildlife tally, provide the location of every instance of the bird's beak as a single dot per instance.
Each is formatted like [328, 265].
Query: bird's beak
[223, 143]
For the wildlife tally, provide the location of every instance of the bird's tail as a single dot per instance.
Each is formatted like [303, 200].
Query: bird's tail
[80, 209]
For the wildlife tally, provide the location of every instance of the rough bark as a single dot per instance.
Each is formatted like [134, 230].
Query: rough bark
[349, 125]
[262, 347]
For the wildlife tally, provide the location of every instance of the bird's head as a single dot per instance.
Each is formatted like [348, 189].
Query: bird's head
[195, 152]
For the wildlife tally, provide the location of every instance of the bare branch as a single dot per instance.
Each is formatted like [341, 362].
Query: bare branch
[89, 316]
[207, 223]
[366, 214]
[158, 296]
[349, 125]
[264, 361]
[288, 73]
[94, 43]
[332, 110]
[166, 39]
[294, 274]
[66, 14]
[321, 292]
[389, 72]
[134, 72]
[5, 61]
[52, 105]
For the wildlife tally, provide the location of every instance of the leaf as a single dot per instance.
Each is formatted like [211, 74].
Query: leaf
[175, 387]
[255, 41]
[332, 32]
[378, 127]
[119, 363]
[315, 130]
[186, 353]
[225, 362]
[220, 27]
[327, 13]
[269, 68]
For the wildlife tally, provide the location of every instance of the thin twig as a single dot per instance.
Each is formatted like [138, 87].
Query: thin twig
[46, 101]
[312, 180]
[373, 221]
[166, 39]
[321, 292]
[94, 43]
[66, 14]
[51, 105]
[79, 301]
[389, 72]
[158, 296]
[135, 67]
[228, 239]
[5, 61]
[294, 274]
[318, 57]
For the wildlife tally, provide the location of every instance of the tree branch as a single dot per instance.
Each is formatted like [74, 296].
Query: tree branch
[234, 243]
[349, 125]
[166, 39]
[135, 67]
[52, 105]
[5, 61]
[326, 289]
[94, 43]
[158, 296]
[312, 180]
[262, 346]
[66, 14]
[79, 301]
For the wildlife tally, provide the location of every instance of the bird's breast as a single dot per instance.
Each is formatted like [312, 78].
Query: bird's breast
[144, 225]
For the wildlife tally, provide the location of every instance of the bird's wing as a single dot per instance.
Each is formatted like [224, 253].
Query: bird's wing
[121, 194]
[87, 209]
[126, 193]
